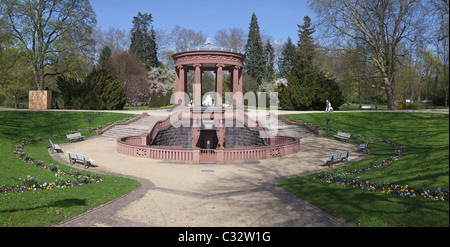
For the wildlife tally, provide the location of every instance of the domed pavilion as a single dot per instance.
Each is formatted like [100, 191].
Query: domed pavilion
[201, 132]
[208, 57]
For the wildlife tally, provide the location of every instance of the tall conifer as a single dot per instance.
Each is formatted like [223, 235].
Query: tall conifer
[286, 60]
[305, 45]
[254, 63]
[143, 42]
[269, 53]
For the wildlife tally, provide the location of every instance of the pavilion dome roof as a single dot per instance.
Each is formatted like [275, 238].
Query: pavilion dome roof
[209, 46]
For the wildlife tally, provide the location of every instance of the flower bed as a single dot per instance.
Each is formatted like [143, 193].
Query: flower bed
[77, 178]
[385, 187]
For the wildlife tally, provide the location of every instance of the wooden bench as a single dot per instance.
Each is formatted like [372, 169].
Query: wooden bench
[75, 137]
[364, 147]
[73, 157]
[342, 135]
[54, 147]
[366, 107]
[342, 156]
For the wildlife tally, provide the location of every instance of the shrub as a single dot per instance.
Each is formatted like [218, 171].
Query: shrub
[99, 91]
[71, 92]
[401, 105]
[103, 92]
[153, 99]
[308, 91]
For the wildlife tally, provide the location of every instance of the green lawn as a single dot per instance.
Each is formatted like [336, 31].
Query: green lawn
[37, 208]
[425, 164]
[355, 107]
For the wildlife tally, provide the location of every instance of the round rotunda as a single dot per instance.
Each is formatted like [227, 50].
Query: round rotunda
[201, 132]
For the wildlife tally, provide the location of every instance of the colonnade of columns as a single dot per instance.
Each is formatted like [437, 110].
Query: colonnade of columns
[181, 83]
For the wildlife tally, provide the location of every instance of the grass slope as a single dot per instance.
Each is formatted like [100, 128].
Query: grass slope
[425, 164]
[38, 208]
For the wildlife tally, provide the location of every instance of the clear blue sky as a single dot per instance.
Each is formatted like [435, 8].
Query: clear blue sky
[276, 18]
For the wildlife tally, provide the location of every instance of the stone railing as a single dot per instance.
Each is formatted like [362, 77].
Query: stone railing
[139, 146]
[101, 132]
[136, 146]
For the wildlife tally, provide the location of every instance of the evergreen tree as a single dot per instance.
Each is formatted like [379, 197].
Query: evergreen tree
[104, 57]
[99, 91]
[307, 87]
[305, 45]
[103, 92]
[153, 99]
[287, 58]
[254, 63]
[269, 53]
[71, 91]
[308, 90]
[143, 42]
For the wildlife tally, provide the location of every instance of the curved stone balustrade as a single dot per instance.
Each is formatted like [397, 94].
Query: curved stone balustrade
[278, 146]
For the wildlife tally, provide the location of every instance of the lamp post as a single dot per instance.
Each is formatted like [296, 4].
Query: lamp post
[328, 120]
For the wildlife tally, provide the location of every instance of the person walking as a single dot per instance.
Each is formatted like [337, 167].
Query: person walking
[327, 106]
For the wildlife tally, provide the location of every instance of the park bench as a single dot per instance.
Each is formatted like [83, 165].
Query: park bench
[368, 107]
[342, 156]
[364, 147]
[54, 147]
[73, 157]
[75, 137]
[342, 135]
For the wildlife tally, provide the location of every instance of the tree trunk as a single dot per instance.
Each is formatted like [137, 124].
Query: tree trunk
[390, 93]
[36, 76]
[359, 93]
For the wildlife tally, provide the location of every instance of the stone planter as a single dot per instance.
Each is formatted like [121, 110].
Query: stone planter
[40, 100]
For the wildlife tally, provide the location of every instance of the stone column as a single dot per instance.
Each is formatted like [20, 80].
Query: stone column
[239, 100]
[231, 82]
[237, 86]
[180, 85]
[198, 85]
[219, 77]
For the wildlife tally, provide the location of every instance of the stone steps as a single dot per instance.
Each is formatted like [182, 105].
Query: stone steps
[180, 136]
[140, 127]
[243, 137]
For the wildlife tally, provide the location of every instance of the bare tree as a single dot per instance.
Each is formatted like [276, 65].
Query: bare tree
[128, 69]
[233, 38]
[118, 40]
[384, 25]
[185, 38]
